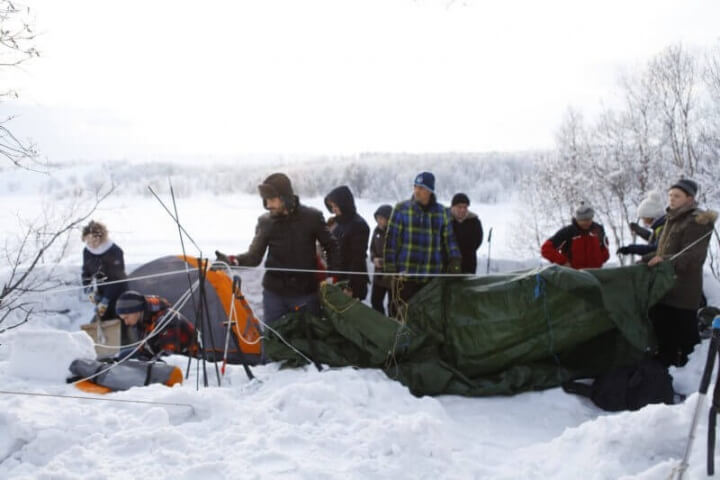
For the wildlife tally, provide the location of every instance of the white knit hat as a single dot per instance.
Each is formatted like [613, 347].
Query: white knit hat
[653, 206]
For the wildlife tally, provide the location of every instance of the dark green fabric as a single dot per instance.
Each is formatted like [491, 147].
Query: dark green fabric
[498, 334]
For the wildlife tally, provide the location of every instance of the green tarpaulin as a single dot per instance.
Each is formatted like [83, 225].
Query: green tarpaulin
[499, 334]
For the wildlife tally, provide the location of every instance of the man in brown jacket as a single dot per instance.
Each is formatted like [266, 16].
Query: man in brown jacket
[686, 234]
[288, 232]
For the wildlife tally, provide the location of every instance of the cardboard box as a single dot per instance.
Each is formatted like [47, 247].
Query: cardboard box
[111, 331]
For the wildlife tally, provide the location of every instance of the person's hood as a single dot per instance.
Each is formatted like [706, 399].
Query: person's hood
[278, 185]
[706, 217]
[343, 198]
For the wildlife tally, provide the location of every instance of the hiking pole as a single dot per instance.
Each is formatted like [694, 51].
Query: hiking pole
[712, 415]
[634, 241]
[487, 270]
[702, 392]
[204, 320]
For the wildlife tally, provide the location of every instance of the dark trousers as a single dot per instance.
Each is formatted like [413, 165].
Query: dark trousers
[275, 305]
[399, 298]
[377, 297]
[677, 333]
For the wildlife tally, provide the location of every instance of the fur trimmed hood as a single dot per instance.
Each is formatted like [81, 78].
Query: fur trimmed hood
[705, 217]
[95, 229]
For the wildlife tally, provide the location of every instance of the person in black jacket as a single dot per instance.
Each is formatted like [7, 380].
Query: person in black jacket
[288, 232]
[652, 212]
[352, 233]
[380, 283]
[468, 231]
[103, 262]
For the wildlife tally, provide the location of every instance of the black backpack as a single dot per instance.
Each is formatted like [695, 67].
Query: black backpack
[628, 388]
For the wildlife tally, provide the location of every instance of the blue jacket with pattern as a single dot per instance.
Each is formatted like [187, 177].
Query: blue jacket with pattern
[420, 240]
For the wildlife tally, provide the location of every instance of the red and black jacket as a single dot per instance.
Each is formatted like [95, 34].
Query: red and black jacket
[178, 336]
[582, 248]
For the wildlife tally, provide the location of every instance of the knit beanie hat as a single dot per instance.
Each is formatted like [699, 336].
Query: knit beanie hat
[652, 207]
[687, 186]
[130, 302]
[426, 180]
[584, 211]
[384, 211]
[460, 198]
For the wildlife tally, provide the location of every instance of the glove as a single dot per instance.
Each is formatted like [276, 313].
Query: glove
[101, 308]
[623, 251]
[329, 281]
[221, 257]
[455, 266]
[634, 227]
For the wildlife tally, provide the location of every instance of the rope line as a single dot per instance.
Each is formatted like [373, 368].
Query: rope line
[100, 284]
[100, 399]
[541, 293]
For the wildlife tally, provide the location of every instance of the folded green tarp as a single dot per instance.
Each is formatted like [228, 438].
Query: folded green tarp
[499, 334]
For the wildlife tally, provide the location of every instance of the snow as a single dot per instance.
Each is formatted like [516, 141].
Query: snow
[34, 353]
[298, 423]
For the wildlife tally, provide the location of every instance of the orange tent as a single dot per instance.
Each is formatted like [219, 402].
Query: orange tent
[222, 310]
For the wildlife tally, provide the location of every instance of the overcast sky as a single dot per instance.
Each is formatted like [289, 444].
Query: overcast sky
[117, 78]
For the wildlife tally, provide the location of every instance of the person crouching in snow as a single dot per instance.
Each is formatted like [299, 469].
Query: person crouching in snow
[352, 233]
[103, 262]
[146, 317]
[582, 244]
[652, 213]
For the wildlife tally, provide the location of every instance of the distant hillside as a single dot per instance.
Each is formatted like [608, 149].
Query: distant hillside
[485, 177]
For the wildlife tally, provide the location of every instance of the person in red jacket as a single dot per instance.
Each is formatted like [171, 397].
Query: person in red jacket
[582, 244]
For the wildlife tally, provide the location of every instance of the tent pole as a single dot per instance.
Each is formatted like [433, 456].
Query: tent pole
[206, 314]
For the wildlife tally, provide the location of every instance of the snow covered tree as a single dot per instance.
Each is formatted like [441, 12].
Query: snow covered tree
[16, 47]
[667, 126]
[44, 240]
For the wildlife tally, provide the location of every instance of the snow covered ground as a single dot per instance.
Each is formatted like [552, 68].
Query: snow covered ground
[338, 423]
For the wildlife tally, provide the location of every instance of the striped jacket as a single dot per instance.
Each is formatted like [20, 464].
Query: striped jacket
[177, 337]
[420, 240]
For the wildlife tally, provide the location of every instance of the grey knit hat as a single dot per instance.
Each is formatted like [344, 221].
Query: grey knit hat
[584, 211]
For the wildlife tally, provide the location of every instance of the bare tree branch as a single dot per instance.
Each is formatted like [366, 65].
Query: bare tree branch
[27, 257]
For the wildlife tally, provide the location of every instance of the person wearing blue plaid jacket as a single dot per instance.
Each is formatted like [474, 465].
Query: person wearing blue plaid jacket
[420, 241]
